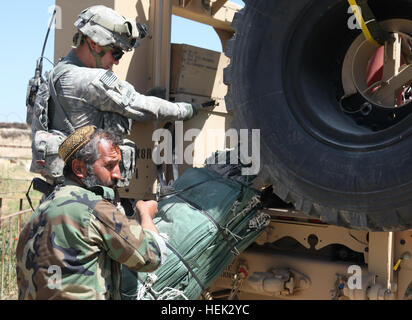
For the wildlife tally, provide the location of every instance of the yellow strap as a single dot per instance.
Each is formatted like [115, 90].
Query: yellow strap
[359, 18]
[397, 265]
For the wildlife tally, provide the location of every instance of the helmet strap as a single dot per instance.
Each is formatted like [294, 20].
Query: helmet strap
[97, 55]
[78, 39]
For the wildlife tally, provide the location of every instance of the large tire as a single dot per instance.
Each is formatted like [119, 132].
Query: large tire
[285, 79]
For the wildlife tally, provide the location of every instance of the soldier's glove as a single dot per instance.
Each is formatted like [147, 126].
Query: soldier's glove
[191, 110]
[195, 108]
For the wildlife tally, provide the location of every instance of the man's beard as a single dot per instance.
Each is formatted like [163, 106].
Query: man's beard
[92, 179]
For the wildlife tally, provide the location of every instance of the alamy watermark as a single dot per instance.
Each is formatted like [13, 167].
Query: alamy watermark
[355, 280]
[353, 21]
[244, 145]
[55, 280]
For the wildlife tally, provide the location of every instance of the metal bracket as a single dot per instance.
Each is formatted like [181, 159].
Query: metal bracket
[304, 232]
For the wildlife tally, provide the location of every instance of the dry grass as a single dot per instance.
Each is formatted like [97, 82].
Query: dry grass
[15, 179]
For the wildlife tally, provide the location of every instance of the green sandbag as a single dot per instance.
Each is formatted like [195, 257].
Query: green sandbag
[208, 221]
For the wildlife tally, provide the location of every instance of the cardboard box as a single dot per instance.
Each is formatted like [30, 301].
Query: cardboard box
[197, 71]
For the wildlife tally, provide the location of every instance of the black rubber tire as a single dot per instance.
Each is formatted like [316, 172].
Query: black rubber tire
[285, 79]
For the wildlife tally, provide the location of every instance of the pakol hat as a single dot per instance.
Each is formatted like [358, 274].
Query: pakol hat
[75, 141]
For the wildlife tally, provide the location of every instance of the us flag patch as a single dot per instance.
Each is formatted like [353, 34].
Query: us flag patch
[108, 79]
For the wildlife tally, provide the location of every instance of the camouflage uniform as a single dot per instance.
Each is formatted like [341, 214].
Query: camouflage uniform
[93, 96]
[83, 235]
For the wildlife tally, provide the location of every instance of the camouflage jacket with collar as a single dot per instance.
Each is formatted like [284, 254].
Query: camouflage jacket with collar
[74, 244]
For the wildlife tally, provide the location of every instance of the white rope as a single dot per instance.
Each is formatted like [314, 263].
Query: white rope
[251, 204]
[170, 294]
[261, 220]
[151, 279]
[166, 293]
[234, 207]
[234, 235]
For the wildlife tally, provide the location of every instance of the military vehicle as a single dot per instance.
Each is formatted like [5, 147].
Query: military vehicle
[327, 83]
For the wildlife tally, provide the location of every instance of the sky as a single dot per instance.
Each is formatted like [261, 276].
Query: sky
[24, 24]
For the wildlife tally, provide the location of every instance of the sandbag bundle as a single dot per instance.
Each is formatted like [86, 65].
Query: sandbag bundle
[208, 220]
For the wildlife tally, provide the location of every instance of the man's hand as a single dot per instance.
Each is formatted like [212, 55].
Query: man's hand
[147, 208]
[147, 211]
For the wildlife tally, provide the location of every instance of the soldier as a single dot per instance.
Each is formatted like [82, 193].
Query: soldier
[85, 91]
[73, 245]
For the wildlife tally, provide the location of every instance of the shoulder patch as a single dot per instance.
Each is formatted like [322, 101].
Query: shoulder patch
[109, 79]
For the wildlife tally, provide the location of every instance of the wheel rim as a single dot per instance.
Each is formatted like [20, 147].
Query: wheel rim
[318, 73]
[357, 58]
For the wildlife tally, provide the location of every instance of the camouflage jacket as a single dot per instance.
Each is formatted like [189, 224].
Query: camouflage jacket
[96, 96]
[74, 244]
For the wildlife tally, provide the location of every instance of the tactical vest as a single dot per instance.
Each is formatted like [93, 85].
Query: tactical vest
[46, 142]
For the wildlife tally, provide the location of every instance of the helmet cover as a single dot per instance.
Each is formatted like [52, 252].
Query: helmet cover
[106, 27]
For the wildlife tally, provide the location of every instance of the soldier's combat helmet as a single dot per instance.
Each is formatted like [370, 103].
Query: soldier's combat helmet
[106, 27]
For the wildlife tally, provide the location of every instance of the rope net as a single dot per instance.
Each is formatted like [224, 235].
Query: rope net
[208, 222]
